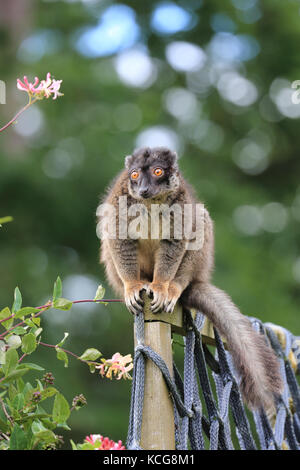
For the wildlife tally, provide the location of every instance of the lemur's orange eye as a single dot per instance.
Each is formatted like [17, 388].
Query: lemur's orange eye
[158, 172]
[134, 175]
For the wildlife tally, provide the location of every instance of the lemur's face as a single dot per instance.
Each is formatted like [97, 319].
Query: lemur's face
[152, 173]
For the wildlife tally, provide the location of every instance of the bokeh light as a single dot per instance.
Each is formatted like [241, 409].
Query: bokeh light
[169, 18]
[181, 103]
[38, 44]
[159, 136]
[117, 30]
[229, 47]
[135, 68]
[248, 220]
[30, 124]
[184, 56]
[237, 89]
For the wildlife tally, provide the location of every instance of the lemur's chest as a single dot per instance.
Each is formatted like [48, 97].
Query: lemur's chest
[149, 226]
[147, 250]
[148, 244]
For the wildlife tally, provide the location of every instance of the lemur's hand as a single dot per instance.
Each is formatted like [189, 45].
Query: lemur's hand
[132, 298]
[174, 292]
[165, 295]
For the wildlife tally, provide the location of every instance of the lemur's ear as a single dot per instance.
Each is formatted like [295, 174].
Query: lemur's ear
[171, 158]
[128, 161]
[174, 157]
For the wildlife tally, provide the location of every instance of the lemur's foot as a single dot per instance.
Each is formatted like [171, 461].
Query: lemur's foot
[133, 301]
[174, 292]
[165, 295]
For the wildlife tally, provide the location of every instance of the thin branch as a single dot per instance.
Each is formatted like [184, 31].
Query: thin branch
[5, 411]
[62, 349]
[18, 114]
[67, 352]
[22, 357]
[45, 307]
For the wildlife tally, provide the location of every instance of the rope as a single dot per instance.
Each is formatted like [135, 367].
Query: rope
[281, 430]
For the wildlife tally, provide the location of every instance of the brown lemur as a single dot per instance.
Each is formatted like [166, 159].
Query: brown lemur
[169, 272]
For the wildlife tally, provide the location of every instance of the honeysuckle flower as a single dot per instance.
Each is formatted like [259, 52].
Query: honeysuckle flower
[36, 91]
[116, 366]
[27, 86]
[50, 86]
[103, 443]
[45, 89]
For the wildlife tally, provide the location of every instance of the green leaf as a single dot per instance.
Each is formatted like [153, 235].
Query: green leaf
[73, 445]
[48, 392]
[37, 426]
[18, 401]
[4, 220]
[15, 374]
[47, 437]
[3, 426]
[61, 409]
[64, 426]
[62, 356]
[23, 312]
[32, 366]
[63, 340]
[86, 446]
[4, 314]
[29, 343]
[99, 293]
[37, 332]
[11, 361]
[62, 304]
[17, 301]
[18, 438]
[19, 330]
[12, 391]
[36, 321]
[14, 341]
[42, 433]
[90, 354]
[57, 291]
[29, 322]
[20, 382]
[39, 385]
[27, 387]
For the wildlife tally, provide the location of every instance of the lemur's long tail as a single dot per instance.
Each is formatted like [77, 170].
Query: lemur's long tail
[254, 360]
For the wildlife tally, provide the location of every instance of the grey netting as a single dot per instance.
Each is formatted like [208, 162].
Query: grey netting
[279, 431]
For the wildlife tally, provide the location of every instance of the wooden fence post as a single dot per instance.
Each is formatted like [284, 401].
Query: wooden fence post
[158, 427]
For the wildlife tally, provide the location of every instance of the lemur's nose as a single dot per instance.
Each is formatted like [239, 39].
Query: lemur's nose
[144, 188]
[144, 192]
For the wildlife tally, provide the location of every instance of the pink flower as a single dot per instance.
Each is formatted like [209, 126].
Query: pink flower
[94, 438]
[104, 443]
[50, 86]
[26, 86]
[116, 366]
[44, 90]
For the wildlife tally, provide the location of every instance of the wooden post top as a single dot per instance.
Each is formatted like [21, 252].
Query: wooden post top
[176, 320]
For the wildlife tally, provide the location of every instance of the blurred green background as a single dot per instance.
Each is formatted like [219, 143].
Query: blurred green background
[211, 80]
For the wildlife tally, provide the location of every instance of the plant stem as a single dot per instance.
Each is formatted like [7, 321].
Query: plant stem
[46, 306]
[18, 114]
[5, 412]
[22, 357]
[67, 352]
